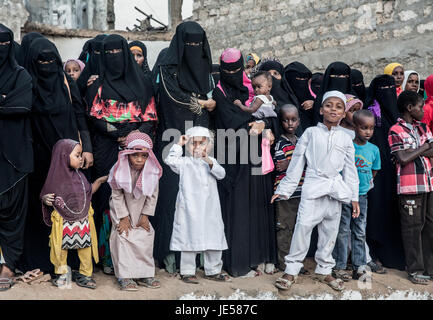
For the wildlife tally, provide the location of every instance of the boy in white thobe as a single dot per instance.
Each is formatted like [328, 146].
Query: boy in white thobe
[198, 225]
[331, 179]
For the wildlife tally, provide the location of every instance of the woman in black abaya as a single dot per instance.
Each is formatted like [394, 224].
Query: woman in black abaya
[358, 85]
[16, 155]
[281, 91]
[119, 101]
[383, 220]
[184, 83]
[91, 54]
[57, 113]
[298, 76]
[337, 77]
[26, 41]
[245, 196]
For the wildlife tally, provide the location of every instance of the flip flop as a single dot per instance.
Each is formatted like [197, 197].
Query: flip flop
[190, 279]
[30, 276]
[221, 277]
[336, 284]
[148, 283]
[9, 281]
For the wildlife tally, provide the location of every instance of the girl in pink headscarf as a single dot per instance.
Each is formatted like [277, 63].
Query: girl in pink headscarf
[74, 67]
[134, 182]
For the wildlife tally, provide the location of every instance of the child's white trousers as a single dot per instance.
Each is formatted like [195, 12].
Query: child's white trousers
[325, 213]
[212, 262]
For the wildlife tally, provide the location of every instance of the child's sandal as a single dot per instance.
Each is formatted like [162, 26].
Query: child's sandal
[60, 280]
[336, 284]
[149, 283]
[127, 285]
[83, 281]
[189, 279]
[285, 284]
[418, 279]
[341, 274]
[221, 277]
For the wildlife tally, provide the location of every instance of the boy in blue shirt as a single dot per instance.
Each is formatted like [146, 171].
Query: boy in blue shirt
[367, 162]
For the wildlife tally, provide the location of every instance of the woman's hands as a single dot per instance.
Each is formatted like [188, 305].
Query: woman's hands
[92, 79]
[88, 160]
[208, 104]
[256, 128]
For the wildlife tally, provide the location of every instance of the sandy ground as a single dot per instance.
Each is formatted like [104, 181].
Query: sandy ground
[393, 285]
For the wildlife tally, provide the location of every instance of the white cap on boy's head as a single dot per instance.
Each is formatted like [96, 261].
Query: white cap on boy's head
[198, 132]
[335, 94]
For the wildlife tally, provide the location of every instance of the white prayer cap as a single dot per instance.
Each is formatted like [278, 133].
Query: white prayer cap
[198, 132]
[336, 94]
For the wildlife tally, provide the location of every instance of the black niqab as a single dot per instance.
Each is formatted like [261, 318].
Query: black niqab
[25, 46]
[281, 90]
[316, 82]
[300, 87]
[386, 97]
[216, 73]
[50, 95]
[92, 56]
[119, 75]
[331, 81]
[358, 84]
[233, 83]
[194, 62]
[16, 155]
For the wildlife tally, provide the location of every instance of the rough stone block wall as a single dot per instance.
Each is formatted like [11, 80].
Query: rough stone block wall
[365, 34]
[13, 15]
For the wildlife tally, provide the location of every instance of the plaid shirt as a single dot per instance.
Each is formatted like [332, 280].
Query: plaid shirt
[417, 176]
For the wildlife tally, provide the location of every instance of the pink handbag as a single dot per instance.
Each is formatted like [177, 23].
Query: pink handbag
[267, 162]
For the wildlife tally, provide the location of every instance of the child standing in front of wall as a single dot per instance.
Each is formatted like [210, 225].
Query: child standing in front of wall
[330, 180]
[198, 225]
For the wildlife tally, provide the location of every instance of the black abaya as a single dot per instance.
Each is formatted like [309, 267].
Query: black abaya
[54, 117]
[184, 75]
[383, 219]
[16, 155]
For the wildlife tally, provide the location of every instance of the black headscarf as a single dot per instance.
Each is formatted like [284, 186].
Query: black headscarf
[300, 87]
[91, 54]
[50, 95]
[26, 41]
[16, 155]
[421, 88]
[155, 69]
[329, 83]
[142, 46]
[387, 98]
[216, 73]
[233, 83]
[119, 75]
[316, 82]
[358, 84]
[281, 90]
[84, 55]
[194, 63]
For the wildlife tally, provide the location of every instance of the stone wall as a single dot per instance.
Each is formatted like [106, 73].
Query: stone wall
[13, 15]
[365, 34]
[70, 14]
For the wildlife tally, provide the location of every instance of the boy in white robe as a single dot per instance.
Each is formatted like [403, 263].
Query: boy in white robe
[198, 225]
[331, 179]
